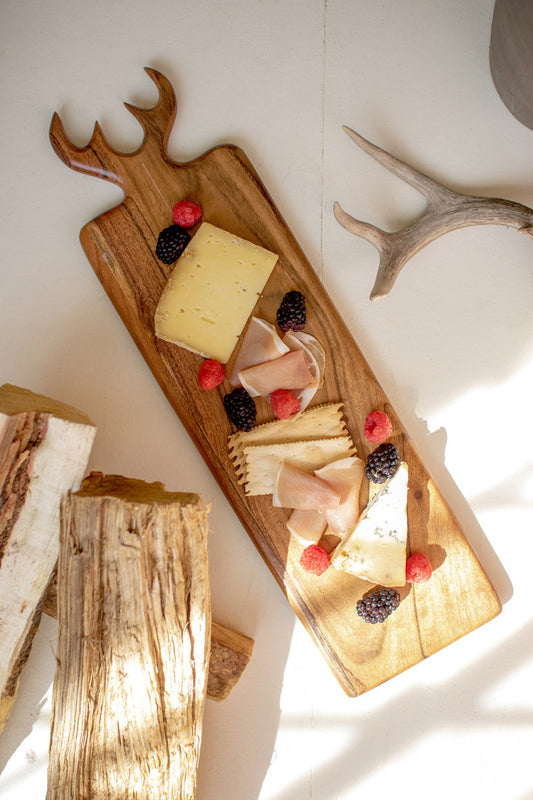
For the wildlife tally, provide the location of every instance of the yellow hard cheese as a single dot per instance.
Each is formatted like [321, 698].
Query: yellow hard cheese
[212, 292]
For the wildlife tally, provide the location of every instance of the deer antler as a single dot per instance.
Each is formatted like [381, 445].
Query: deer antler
[98, 158]
[446, 210]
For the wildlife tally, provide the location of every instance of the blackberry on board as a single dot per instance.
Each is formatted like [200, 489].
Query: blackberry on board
[240, 409]
[377, 605]
[171, 243]
[382, 463]
[291, 315]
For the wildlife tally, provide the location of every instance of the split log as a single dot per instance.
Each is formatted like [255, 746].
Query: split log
[231, 652]
[44, 450]
[133, 643]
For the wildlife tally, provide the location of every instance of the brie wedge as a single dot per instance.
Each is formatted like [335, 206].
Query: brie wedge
[374, 549]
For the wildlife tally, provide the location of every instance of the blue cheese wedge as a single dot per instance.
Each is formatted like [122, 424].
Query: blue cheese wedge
[374, 549]
[212, 291]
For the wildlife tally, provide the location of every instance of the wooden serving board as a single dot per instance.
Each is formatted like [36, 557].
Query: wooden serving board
[120, 246]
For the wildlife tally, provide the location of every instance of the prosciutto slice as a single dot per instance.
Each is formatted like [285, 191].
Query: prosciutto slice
[307, 525]
[344, 476]
[296, 488]
[315, 358]
[286, 372]
[260, 343]
[265, 362]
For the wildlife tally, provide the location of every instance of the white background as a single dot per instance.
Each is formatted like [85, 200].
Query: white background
[452, 346]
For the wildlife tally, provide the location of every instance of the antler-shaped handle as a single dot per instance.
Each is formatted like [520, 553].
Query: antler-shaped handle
[98, 158]
[446, 210]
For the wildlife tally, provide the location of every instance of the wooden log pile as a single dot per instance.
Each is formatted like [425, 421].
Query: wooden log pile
[123, 565]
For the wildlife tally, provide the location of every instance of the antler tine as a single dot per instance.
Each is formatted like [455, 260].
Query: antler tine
[446, 210]
[425, 185]
[363, 229]
[82, 159]
[159, 119]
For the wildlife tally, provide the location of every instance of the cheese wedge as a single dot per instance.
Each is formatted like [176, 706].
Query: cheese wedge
[374, 549]
[212, 292]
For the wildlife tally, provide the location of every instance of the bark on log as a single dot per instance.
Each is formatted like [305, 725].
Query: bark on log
[133, 643]
[44, 450]
[231, 652]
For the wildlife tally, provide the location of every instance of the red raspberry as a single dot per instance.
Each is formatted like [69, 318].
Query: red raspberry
[186, 213]
[378, 427]
[284, 403]
[211, 374]
[314, 559]
[418, 569]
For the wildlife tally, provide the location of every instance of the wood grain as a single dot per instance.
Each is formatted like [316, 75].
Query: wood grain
[120, 247]
[133, 643]
[231, 652]
[44, 450]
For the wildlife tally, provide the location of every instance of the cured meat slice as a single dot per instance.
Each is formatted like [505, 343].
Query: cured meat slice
[289, 371]
[261, 343]
[315, 359]
[307, 525]
[296, 488]
[345, 476]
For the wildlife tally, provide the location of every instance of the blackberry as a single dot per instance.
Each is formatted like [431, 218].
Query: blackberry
[291, 313]
[171, 243]
[240, 409]
[382, 463]
[377, 605]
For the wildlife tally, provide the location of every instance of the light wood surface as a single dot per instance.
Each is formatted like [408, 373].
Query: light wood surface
[120, 246]
[133, 642]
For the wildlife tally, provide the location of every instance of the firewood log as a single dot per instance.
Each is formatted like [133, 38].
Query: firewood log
[231, 652]
[133, 643]
[44, 450]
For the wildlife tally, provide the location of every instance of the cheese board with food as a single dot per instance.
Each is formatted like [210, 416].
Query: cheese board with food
[268, 381]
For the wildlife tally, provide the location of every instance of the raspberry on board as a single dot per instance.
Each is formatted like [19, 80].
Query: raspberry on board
[284, 403]
[186, 213]
[211, 374]
[315, 560]
[378, 426]
[418, 569]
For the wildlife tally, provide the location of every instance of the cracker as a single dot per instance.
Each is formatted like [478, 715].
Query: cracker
[318, 422]
[262, 462]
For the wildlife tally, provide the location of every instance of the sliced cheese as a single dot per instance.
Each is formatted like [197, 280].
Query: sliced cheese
[374, 549]
[262, 462]
[212, 292]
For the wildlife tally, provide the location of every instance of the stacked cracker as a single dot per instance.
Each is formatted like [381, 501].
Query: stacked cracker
[311, 440]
